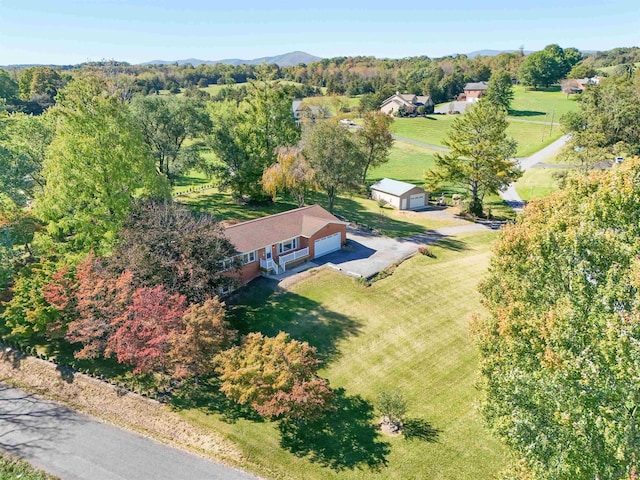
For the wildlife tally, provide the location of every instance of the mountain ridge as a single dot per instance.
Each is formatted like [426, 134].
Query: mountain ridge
[284, 60]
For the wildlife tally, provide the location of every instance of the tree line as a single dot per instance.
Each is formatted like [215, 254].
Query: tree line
[33, 89]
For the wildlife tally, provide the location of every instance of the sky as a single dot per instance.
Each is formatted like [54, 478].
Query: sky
[75, 31]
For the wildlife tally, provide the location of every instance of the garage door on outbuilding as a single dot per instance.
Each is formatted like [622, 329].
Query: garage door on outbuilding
[326, 245]
[401, 195]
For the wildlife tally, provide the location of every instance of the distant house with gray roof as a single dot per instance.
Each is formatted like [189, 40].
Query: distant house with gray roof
[301, 110]
[407, 104]
[401, 195]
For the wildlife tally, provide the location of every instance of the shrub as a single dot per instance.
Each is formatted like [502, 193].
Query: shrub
[426, 252]
[392, 406]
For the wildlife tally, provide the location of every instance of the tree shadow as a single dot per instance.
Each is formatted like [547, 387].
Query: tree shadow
[207, 397]
[419, 429]
[439, 240]
[344, 438]
[262, 307]
[67, 374]
[526, 113]
[28, 423]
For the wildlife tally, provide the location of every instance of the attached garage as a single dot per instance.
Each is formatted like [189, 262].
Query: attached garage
[401, 195]
[326, 245]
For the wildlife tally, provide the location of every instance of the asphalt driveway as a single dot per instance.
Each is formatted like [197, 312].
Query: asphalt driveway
[366, 254]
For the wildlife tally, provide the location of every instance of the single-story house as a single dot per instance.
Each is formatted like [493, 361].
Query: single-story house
[408, 102]
[401, 195]
[279, 241]
[577, 85]
[474, 91]
[301, 110]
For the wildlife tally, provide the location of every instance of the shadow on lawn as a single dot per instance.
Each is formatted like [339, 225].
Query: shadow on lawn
[344, 438]
[525, 113]
[261, 307]
[419, 429]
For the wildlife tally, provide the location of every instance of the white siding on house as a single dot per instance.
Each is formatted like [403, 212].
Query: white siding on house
[390, 199]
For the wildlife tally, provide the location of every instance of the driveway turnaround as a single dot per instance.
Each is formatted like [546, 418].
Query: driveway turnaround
[76, 447]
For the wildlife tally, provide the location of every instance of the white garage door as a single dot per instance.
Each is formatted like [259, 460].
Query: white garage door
[416, 201]
[325, 245]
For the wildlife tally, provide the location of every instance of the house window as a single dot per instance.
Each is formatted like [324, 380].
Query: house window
[288, 245]
[227, 263]
[249, 257]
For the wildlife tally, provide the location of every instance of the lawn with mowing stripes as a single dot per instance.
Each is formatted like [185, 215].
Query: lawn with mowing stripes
[408, 332]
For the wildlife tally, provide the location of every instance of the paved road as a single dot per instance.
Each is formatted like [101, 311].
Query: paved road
[76, 447]
[510, 195]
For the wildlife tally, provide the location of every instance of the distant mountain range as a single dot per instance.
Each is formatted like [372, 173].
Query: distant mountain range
[284, 60]
[493, 53]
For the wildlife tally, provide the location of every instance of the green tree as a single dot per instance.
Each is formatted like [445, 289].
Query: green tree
[481, 154]
[560, 350]
[547, 66]
[39, 83]
[27, 138]
[166, 123]
[335, 156]
[608, 119]
[291, 173]
[500, 89]
[96, 165]
[375, 140]
[269, 124]
[8, 86]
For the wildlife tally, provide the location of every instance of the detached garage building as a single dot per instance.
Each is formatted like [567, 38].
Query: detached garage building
[276, 242]
[401, 195]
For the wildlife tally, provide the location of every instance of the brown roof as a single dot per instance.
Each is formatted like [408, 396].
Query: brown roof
[301, 222]
[470, 87]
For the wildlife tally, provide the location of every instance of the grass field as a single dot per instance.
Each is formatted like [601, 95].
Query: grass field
[408, 333]
[407, 163]
[612, 69]
[433, 130]
[539, 105]
[537, 183]
[334, 103]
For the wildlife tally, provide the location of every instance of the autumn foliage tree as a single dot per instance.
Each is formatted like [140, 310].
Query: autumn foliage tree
[141, 337]
[277, 376]
[204, 334]
[291, 173]
[560, 349]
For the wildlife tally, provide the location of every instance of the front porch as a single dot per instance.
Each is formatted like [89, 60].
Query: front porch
[280, 266]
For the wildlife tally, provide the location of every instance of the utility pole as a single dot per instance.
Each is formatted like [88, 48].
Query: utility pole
[553, 112]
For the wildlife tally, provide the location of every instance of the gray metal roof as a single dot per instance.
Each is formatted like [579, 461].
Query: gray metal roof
[476, 86]
[394, 187]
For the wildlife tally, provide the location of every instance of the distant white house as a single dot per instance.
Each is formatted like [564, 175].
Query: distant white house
[401, 195]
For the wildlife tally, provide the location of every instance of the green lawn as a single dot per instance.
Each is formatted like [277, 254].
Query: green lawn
[191, 180]
[539, 105]
[334, 103]
[408, 332]
[537, 183]
[612, 69]
[531, 137]
[406, 163]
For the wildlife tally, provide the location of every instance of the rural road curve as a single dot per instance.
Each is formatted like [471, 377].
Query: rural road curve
[510, 195]
[73, 446]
